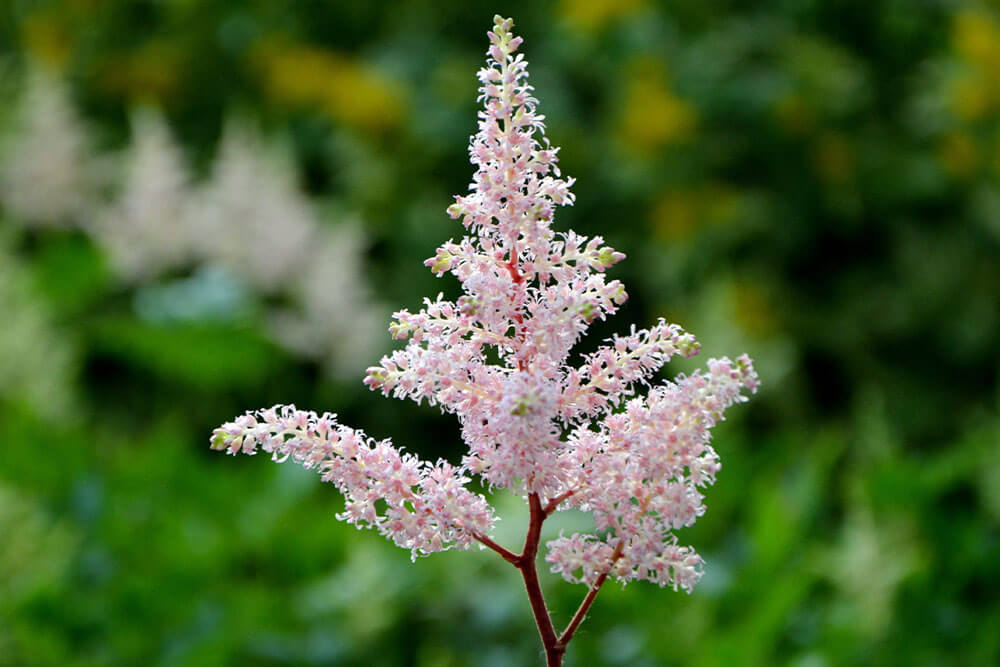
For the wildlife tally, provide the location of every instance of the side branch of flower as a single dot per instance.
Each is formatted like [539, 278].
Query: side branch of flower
[553, 504]
[506, 554]
[555, 645]
[581, 612]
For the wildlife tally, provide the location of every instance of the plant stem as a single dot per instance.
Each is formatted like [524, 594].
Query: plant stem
[506, 554]
[529, 572]
[554, 503]
[581, 612]
[555, 646]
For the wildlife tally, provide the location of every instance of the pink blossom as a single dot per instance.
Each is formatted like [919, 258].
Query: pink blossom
[428, 508]
[561, 435]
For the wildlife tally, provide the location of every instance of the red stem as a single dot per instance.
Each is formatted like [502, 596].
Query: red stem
[581, 613]
[506, 554]
[555, 646]
[529, 572]
[554, 503]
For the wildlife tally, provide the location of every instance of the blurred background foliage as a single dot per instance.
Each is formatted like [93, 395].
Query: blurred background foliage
[212, 206]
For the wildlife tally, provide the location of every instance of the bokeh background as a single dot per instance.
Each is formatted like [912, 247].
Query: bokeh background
[210, 206]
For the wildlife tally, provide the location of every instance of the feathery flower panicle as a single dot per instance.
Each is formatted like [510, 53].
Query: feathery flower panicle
[562, 436]
[339, 325]
[44, 178]
[148, 229]
[38, 362]
[428, 506]
[251, 216]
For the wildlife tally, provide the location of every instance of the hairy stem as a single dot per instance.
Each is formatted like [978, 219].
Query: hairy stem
[506, 554]
[555, 646]
[581, 612]
[529, 572]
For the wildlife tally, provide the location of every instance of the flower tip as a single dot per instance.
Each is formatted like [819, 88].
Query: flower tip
[608, 257]
[688, 346]
[748, 373]
[399, 330]
[375, 376]
[440, 263]
[219, 439]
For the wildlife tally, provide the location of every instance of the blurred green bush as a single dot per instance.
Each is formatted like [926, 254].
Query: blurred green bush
[817, 183]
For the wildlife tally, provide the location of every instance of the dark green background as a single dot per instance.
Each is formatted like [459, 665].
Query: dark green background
[815, 183]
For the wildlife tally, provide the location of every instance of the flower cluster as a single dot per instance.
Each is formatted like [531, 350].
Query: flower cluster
[250, 216]
[336, 326]
[44, 177]
[562, 435]
[37, 360]
[248, 223]
[147, 230]
[428, 506]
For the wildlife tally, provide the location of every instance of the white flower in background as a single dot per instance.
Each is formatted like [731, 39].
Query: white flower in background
[148, 229]
[248, 227]
[251, 217]
[44, 159]
[873, 556]
[37, 364]
[336, 320]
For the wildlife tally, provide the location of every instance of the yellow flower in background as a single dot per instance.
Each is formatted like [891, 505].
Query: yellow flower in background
[345, 89]
[676, 215]
[592, 14]
[752, 311]
[47, 39]
[958, 153]
[653, 116]
[794, 113]
[996, 155]
[971, 97]
[976, 37]
[150, 74]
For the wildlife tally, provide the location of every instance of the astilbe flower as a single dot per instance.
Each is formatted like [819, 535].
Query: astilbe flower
[148, 230]
[252, 218]
[560, 435]
[44, 179]
[339, 326]
[38, 361]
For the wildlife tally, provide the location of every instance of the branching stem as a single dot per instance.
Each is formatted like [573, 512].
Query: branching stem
[554, 503]
[581, 612]
[506, 554]
[529, 572]
[555, 645]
